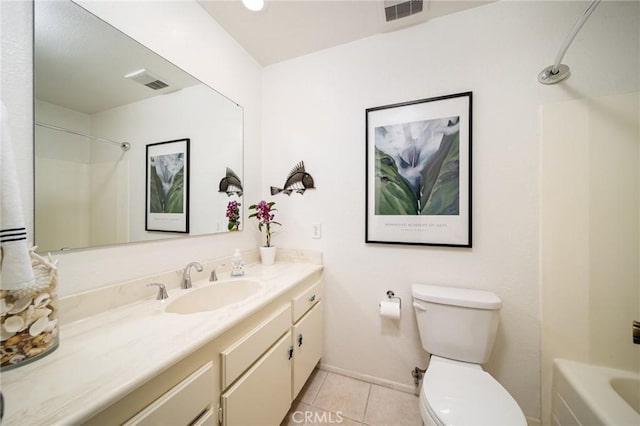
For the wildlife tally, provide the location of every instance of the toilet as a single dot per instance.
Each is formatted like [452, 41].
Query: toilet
[458, 327]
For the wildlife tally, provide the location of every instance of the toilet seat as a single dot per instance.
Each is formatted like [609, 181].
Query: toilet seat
[458, 393]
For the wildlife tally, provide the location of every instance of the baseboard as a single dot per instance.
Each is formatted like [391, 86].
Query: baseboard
[370, 379]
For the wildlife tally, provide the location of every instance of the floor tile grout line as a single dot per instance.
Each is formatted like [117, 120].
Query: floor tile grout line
[324, 379]
[366, 406]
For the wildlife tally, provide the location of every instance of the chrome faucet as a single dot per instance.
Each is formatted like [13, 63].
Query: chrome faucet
[186, 275]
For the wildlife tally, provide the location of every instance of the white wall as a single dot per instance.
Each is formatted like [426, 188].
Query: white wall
[314, 110]
[213, 57]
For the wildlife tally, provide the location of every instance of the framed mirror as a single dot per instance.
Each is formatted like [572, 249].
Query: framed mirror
[101, 99]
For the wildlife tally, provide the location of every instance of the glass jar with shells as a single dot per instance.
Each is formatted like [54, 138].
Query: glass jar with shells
[29, 316]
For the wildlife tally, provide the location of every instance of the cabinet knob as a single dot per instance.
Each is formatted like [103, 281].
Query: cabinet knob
[290, 352]
[312, 298]
[300, 340]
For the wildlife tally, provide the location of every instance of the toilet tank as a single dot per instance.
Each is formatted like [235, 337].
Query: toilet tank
[456, 323]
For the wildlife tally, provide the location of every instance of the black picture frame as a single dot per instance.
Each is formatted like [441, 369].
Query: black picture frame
[167, 186]
[418, 172]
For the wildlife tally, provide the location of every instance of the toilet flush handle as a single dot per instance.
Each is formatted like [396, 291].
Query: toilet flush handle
[419, 307]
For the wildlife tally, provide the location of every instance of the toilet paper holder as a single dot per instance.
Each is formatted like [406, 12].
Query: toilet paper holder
[392, 295]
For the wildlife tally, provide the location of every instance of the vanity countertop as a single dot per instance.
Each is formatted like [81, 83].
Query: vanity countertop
[103, 357]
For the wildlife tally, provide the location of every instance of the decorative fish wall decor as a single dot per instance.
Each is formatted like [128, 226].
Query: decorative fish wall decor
[231, 184]
[298, 180]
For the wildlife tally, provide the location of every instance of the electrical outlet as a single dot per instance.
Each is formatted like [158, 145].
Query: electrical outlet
[316, 231]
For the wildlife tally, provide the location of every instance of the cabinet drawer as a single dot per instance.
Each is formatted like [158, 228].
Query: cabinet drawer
[183, 403]
[304, 301]
[239, 356]
[262, 396]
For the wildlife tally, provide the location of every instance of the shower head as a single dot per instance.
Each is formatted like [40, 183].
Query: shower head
[558, 72]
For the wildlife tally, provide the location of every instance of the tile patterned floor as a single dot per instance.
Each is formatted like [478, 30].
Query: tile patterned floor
[332, 399]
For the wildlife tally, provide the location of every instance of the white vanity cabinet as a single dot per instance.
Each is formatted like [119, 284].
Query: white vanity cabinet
[246, 376]
[263, 394]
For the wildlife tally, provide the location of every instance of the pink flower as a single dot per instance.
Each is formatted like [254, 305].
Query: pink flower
[233, 214]
[264, 214]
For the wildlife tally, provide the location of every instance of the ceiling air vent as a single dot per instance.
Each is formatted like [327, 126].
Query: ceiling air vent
[396, 9]
[148, 79]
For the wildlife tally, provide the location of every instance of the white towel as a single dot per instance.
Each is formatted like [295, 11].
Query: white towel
[15, 263]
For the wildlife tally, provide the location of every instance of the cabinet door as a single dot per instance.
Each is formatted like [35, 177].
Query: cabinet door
[307, 336]
[262, 396]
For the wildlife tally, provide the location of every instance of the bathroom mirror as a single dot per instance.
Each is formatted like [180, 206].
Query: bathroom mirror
[101, 99]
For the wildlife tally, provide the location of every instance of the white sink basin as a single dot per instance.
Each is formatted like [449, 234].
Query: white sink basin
[214, 296]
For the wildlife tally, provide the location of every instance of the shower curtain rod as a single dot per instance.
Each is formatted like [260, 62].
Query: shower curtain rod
[125, 146]
[558, 72]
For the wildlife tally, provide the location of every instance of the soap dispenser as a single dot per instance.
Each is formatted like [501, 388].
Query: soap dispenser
[237, 265]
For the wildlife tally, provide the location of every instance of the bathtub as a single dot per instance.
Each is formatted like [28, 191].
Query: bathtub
[584, 394]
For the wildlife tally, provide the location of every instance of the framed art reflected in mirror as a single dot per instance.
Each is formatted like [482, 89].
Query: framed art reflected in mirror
[167, 186]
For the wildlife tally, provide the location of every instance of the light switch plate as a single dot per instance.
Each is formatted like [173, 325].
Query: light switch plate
[316, 232]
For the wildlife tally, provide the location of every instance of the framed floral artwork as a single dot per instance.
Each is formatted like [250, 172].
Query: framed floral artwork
[167, 186]
[418, 172]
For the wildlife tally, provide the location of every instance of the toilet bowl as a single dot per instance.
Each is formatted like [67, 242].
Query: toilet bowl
[458, 393]
[458, 327]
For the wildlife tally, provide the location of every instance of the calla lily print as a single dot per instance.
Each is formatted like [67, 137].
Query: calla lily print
[167, 186]
[417, 168]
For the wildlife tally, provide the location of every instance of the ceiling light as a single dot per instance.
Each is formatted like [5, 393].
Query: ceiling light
[254, 5]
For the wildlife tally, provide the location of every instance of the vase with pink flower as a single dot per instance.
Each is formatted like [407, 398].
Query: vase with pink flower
[265, 214]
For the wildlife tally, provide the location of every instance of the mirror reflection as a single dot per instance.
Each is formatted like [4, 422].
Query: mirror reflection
[100, 99]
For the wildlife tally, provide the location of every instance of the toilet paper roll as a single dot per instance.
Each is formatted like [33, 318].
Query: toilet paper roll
[390, 309]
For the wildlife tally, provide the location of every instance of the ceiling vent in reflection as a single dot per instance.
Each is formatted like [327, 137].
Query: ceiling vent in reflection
[148, 79]
[396, 9]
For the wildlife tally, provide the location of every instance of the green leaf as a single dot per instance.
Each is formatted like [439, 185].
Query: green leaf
[175, 196]
[393, 194]
[444, 190]
[156, 197]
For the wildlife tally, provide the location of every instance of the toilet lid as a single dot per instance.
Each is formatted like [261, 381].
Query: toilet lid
[460, 395]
